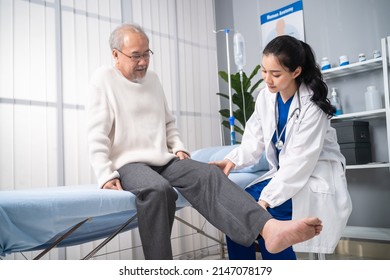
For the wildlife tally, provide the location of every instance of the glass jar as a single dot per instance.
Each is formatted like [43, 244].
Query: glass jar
[377, 54]
[362, 57]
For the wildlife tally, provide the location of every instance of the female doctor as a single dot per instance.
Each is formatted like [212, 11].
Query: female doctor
[291, 123]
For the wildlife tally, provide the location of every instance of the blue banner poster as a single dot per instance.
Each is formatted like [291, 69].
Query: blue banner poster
[287, 20]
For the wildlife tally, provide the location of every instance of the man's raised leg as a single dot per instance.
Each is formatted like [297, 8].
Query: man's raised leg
[279, 235]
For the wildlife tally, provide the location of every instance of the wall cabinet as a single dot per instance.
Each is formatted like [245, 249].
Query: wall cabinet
[379, 66]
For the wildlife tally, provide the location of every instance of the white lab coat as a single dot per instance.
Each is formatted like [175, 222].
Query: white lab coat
[312, 169]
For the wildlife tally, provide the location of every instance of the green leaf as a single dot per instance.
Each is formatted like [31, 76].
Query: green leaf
[225, 113]
[223, 95]
[242, 97]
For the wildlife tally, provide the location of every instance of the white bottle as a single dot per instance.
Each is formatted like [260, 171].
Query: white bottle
[335, 101]
[373, 98]
[344, 60]
[377, 54]
[362, 57]
[239, 51]
[325, 64]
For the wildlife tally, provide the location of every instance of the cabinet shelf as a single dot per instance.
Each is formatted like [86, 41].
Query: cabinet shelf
[367, 233]
[381, 67]
[361, 115]
[365, 115]
[380, 64]
[353, 68]
[369, 165]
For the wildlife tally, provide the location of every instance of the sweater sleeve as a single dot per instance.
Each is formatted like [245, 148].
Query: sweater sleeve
[100, 120]
[252, 143]
[174, 142]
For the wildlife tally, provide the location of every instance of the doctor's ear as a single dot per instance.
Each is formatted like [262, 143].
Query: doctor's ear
[297, 72]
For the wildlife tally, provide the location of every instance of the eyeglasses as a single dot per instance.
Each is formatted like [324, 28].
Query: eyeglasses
[137, 57]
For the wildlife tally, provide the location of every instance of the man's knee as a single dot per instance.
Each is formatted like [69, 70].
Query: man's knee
[161, 191]
[212, 170]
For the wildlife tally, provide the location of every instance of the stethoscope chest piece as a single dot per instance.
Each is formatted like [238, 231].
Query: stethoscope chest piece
[279, 144]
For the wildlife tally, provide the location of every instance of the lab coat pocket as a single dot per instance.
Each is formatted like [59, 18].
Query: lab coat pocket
[322, 180]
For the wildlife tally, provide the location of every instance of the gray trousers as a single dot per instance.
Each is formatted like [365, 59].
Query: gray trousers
[224, 204]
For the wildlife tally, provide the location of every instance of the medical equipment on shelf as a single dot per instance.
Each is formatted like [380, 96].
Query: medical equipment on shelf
[335, 101]
[377, 54]
[373, 98]
[297, 111]
[344, 60]
[325, 64]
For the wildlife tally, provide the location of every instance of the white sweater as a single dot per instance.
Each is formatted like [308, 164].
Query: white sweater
[128, 122]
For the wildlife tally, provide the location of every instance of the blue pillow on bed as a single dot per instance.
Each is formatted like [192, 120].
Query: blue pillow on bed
[219, 152]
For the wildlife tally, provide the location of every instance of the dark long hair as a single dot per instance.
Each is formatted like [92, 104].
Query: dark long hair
[293, 53]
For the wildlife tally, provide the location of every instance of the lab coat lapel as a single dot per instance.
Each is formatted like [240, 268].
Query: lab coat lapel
[291, 122]
[269, 129]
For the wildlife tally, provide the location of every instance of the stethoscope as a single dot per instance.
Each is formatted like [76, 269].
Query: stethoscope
[297, 111]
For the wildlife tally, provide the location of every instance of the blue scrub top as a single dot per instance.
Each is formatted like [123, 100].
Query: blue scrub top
[283, 109]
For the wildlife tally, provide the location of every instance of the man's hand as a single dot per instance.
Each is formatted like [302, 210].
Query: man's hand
[114, 184]
[182, 155]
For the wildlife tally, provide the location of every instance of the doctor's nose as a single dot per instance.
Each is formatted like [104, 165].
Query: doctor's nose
[267, 79]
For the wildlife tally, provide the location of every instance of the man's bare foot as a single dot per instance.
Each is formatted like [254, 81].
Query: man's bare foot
[279, 235]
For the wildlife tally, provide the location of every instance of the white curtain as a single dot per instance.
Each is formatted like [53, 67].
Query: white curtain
[48, 50]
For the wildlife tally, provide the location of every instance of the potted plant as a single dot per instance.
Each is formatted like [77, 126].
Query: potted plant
[242, 97]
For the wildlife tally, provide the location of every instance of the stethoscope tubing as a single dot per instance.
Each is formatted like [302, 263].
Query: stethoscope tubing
[279, 144]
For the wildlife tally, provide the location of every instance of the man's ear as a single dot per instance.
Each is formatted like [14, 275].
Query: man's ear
[114, 54]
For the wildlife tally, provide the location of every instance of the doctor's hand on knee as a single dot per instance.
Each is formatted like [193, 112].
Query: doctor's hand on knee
[225, 165]
[263, 204]
[114, 184]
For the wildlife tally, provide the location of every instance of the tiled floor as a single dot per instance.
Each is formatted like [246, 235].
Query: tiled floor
[361, 250]
[347, 250]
